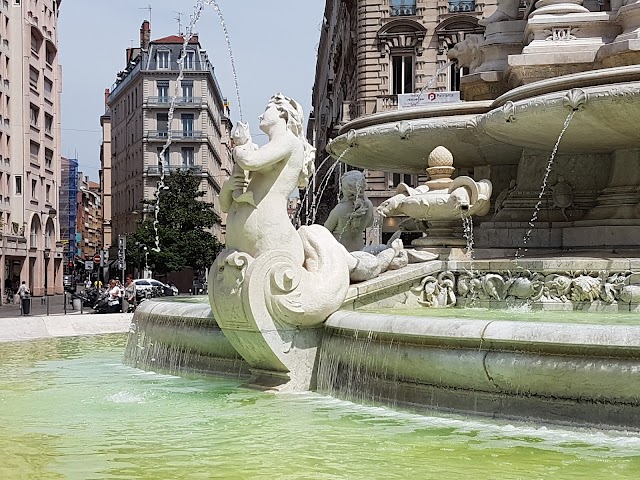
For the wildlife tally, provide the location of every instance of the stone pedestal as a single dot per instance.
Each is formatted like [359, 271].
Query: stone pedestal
[560, 44]
[442, 234]
[625, 49]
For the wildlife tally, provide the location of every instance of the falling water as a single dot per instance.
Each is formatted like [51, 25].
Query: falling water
[467, 225]
[195, 17]
[216, 7]
[545, 179]
[432, 80]
[317, 196]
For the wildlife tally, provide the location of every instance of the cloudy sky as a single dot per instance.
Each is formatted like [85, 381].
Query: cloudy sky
[274, 45]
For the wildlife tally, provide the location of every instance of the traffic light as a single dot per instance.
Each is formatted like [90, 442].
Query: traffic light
[71, 266]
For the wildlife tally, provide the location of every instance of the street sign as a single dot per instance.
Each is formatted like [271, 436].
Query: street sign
[88, 266]
[423, 99]
[97, 258]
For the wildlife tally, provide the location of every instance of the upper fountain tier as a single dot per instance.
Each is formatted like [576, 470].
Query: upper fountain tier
[494, 132]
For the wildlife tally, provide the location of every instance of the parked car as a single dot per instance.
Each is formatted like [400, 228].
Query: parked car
[152, 288]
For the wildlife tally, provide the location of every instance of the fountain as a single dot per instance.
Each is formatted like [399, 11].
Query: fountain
[548, 127]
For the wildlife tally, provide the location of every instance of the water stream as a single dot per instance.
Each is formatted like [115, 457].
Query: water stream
[432, 80]
[522, 249]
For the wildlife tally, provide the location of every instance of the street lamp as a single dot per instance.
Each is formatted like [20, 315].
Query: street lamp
[146, 261]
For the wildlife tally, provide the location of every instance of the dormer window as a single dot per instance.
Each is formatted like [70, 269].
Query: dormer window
[190, 60]
[162, 59]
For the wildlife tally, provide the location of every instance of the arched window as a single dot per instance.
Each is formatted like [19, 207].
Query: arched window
[49, 235]
[35, 232]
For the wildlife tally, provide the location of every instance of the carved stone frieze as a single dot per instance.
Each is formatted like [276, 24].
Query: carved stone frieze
[448, 288]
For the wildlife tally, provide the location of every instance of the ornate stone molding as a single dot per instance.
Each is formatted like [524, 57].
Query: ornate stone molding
[448, 288]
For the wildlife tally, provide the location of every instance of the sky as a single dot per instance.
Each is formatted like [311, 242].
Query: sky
[274, 44]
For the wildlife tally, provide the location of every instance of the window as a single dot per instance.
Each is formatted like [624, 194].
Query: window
[163, 124]
[34, 236]
[166, 156]
[34, 78]
[162, 59]
[34, 151]
[462, 6]
[34, 114]
[187, 157]
[34, 188]
[48, 123]
[36, 41]
[190, 60]
[402, 74]
[48, 159]
[187, 91]
[47, 239]
[47, 197]
[403, 7]
[398, 178]
[18, 185]
[163, 92]
[187, 125]
[51, 55]
[48, 87]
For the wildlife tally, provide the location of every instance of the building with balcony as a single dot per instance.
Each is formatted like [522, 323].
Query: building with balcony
[370, 51]
[30, 89]
[137, 117]
[89, 219]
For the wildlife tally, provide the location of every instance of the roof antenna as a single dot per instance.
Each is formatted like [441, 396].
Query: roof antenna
[148, 8]
[179, 19]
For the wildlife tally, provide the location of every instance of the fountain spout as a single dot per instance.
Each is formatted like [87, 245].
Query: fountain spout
[440, 202]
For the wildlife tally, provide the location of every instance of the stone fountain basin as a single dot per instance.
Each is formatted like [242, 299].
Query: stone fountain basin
[401, 140]
[493, 132]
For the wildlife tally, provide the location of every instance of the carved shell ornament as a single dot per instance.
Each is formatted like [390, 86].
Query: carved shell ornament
[509, 112]
[405, 129]
[352, 138]
[576, 99]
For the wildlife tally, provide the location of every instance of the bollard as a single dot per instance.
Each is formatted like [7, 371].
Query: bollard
[65, 302]
[47, 305]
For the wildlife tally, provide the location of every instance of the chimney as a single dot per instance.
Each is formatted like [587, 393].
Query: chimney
[145, 35]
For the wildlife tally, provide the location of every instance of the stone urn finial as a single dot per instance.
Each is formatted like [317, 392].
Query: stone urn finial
[440, 164]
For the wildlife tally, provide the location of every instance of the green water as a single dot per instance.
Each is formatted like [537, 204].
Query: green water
[518, 314]
[70, 409]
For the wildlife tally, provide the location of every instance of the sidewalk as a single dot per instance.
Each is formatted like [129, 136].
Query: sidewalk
[39, 307]
[17, 328]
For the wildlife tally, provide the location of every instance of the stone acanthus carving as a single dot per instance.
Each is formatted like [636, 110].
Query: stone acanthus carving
[468, 52]
[561, 34]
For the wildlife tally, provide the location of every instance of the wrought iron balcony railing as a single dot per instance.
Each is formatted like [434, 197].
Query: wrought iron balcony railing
[180, 101]
[188, 135]
[462, 6]
[154, 170]
[402, 10]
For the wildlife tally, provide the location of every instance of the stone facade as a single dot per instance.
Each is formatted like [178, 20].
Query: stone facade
[371, 50]
[30, 145]
[138, 106]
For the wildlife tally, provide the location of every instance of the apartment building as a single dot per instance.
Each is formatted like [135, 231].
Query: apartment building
[369, 52]
[30, 89]
[138, 119]
[89, 220]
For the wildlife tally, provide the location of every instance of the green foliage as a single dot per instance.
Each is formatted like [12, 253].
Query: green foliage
[182, 227]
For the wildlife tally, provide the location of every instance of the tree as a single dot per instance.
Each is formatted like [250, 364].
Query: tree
[183, 223]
